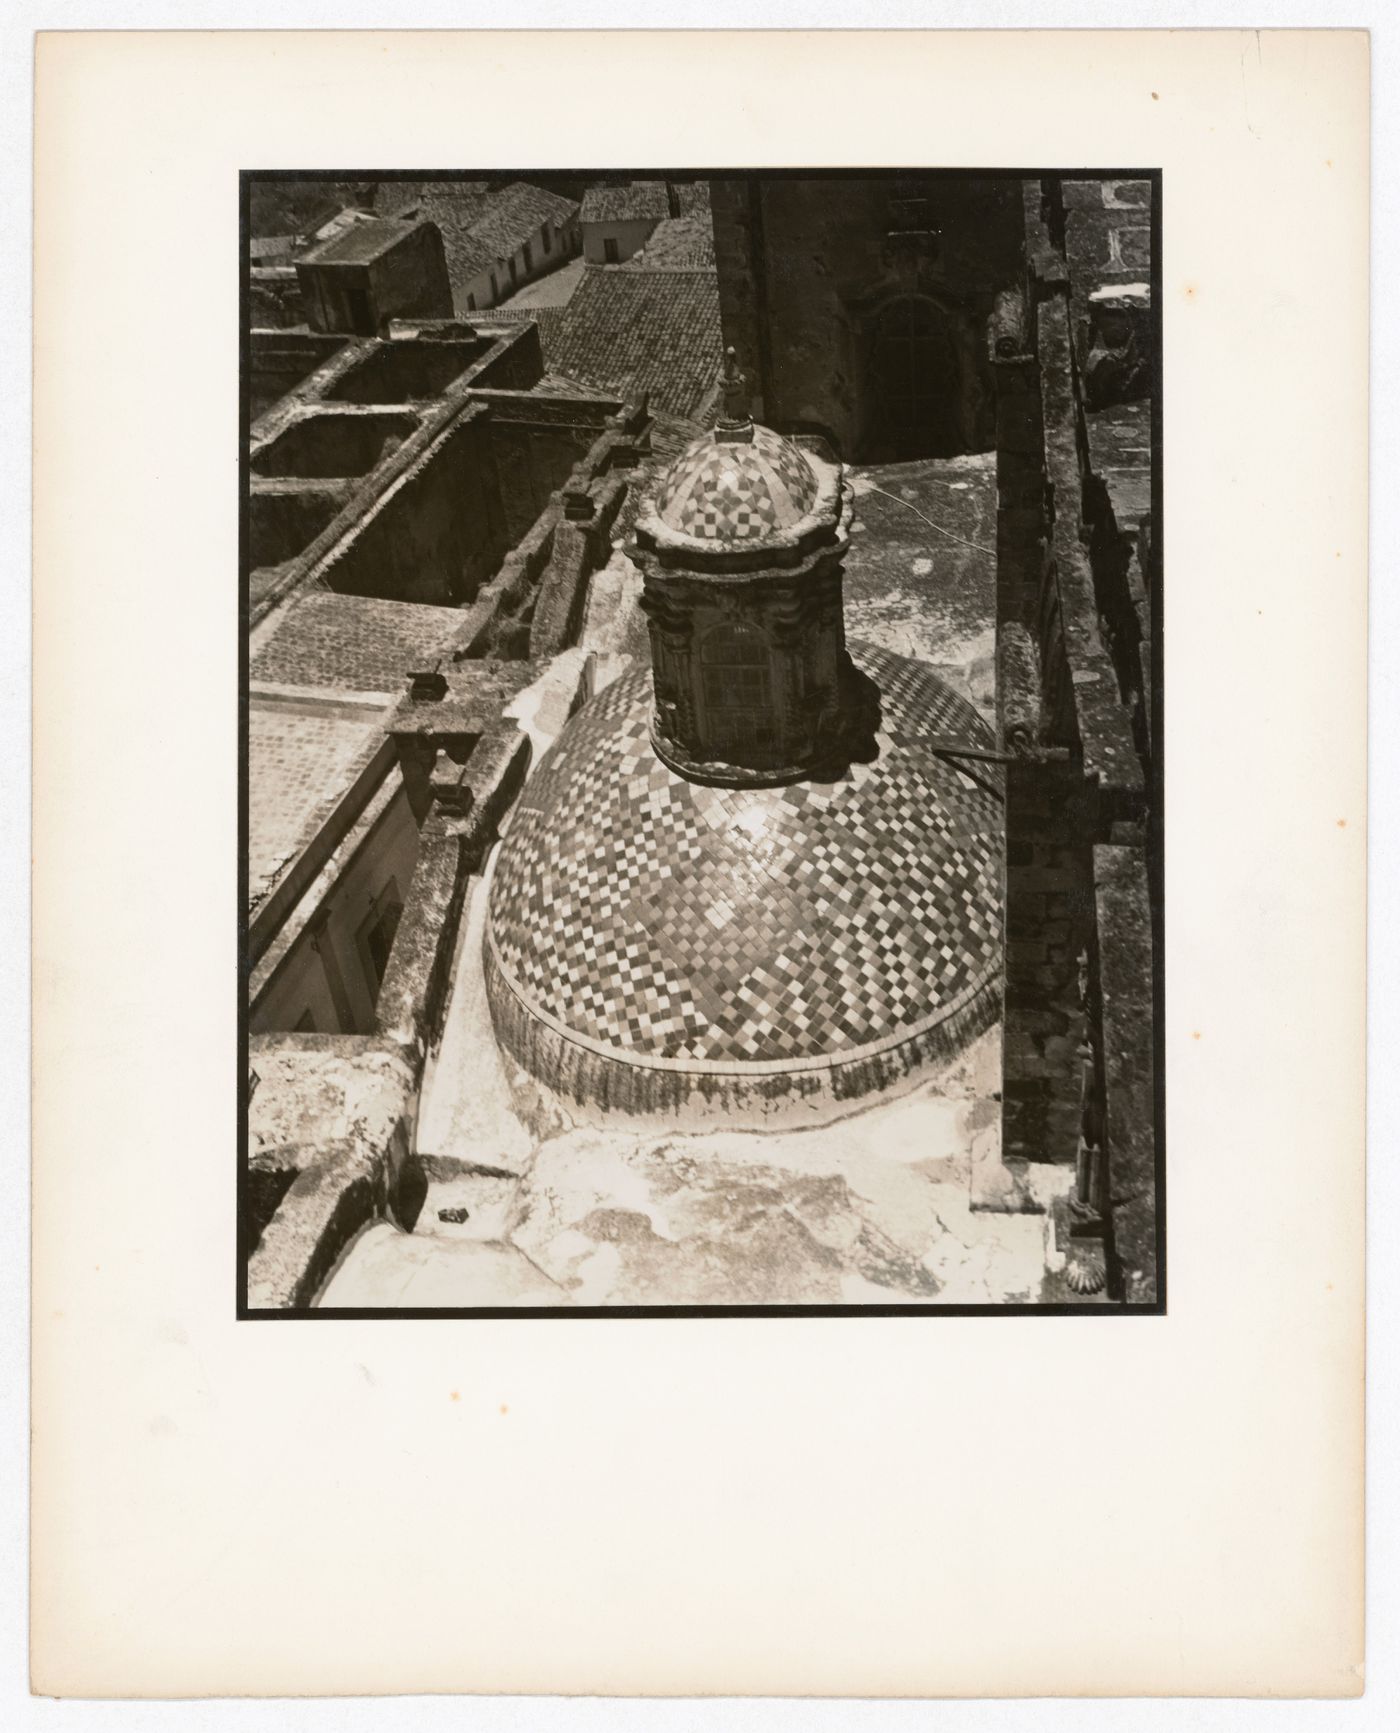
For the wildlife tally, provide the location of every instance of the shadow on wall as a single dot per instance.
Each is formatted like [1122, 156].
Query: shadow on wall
[281, 523]
[406, 371]
[921, 392]
[333, 447]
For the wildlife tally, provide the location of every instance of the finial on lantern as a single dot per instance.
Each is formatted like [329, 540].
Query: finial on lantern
[735, 423]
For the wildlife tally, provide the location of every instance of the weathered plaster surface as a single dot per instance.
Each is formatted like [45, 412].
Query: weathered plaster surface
[904, 1202]
[323, 1088]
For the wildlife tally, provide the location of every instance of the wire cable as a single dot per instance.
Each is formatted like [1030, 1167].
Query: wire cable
[952, 535]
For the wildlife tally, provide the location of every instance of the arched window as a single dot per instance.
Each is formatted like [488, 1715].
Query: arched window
[915, 407]
[736, 682]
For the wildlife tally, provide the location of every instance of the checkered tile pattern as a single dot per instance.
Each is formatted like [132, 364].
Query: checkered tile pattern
[662, 917]
[737, 491]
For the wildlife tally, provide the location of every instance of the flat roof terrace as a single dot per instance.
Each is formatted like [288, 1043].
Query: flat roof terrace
[310, 754]
[363, 643]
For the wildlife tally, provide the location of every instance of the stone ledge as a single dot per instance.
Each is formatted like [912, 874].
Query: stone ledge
[1124, 925]
[413, 996]
[338, 1111]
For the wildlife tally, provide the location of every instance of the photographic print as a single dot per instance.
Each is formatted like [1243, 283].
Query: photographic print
[702, 742]
[668, 943]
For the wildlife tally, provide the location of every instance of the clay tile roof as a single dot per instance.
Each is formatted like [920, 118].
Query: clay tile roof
[361, 643]
[634, 202]
[392, 198]
[264, 247]
[547, 318]
[513, 215]
[677, 244]
[692, 196]
[633, 331]
[454, 206]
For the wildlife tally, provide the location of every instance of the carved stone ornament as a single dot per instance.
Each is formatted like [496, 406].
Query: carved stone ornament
[1086, 1275]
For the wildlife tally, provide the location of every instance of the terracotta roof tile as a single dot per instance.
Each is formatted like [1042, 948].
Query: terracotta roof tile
[391, 197]
[359, 243]
[692, 196]
[454, 206]
[634, 331]
[677, 244]
[360, 643]
[547, 318]
[515, 213]
[634, 202]
[480, 224]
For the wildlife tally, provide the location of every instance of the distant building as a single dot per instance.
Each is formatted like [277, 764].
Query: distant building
[269, 250]
[453, 205]
[618, 220]
[691, 197]
[372, 272]
[523, 233]
[496, 239]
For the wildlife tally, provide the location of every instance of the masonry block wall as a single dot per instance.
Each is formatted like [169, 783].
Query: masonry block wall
[410, 280]
[436, 535]
[533, 450]
[1079, 930]
[1122, 968]
[1061, 708]
[274, 297]
[1049, 919]
[286, 516]
[815, 277]
[1020, 463]
[278, 361]
[736, 220]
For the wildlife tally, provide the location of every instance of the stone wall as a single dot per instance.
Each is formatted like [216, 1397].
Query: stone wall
[431, 521]
[453, 846]
[550, 565]
[435, 534]
[332, 1118]
[280, 361]
[285, 517]
[1049, 917]
[536, 440]
[319, 963]
[1123, 971]
[333, 444]
[737, 220]
[410, 280]
[406, 370]
[809, 269]
[459, 480]
[1071, 635]
[330, 1124]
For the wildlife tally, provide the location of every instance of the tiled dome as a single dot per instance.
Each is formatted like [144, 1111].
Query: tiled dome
[725, 489]
[638, 919]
